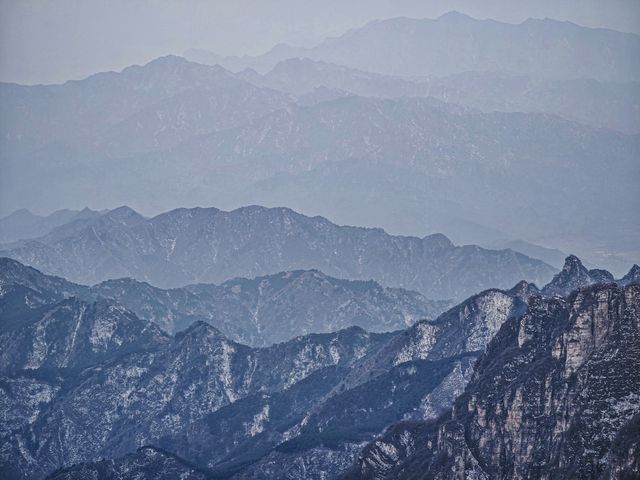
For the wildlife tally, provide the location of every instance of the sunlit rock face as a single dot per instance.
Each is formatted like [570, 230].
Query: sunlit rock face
[555, 394]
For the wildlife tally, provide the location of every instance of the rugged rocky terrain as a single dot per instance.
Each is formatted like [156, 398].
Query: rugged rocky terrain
[87, 379]
[311, 402]
[103, 391]
[208, 245]
[556, 394]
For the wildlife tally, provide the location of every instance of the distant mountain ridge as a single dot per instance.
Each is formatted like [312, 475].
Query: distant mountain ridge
[256, 312]
[22, 224]
[173, 132]
[604, 104]
[198, 245]
[416, 47]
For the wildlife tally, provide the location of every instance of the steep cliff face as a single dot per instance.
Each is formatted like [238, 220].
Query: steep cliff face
[555, 395]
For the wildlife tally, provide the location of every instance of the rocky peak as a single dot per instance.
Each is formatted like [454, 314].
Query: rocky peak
[124, 215]
[524, 290]
[573, 264]
[439, 241]
[601, 276]
[200, 330]
[573, 275]
[455, 18]
[632, 277]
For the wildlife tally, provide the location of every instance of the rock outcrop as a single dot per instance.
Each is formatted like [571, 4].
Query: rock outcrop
[555, 395]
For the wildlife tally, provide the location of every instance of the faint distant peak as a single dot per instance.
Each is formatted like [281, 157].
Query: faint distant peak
[168, 60]
[250, 75]
[124, 214]
[86, 212]
[455, 17]
[286, 49]
[175, 64]
[296, 63]
[20, 214]
[438, 240]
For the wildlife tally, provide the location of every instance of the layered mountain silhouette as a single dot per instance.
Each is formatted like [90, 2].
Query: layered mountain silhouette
[247, 341]
[22, 224]
[457, 43]
[604, 104]
[176, 132]
[255, 312]
[200, 245]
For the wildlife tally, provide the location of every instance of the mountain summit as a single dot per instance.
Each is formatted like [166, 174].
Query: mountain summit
[574, 275]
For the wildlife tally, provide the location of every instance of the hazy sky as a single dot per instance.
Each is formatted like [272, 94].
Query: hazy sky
[50, 41]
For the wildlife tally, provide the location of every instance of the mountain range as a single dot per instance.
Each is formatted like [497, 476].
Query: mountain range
[256, 312]
[603, 104]
[175, 132]
[58, 356]
[456, 43]
[316, 324]
[207, 245]
[22, 224]
[307, 407]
